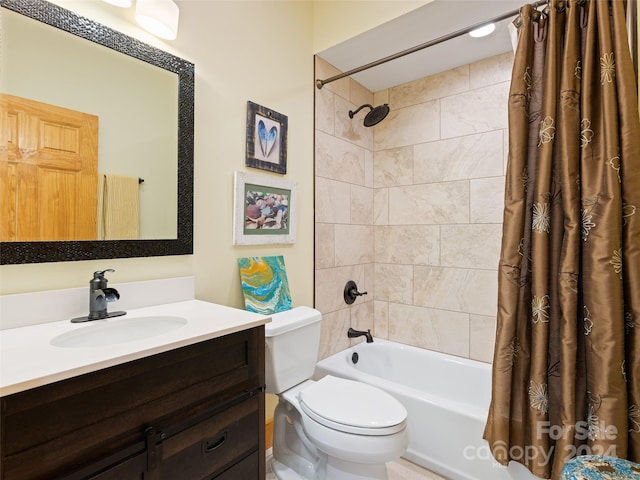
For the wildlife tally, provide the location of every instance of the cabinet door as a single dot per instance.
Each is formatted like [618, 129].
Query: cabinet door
[69, 426]
[247, 469]
[213, 445]
[131, 469]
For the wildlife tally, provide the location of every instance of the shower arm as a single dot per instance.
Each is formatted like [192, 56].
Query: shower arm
[353, 112]
[422, 46]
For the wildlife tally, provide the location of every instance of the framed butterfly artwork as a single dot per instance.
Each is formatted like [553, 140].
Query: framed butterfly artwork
[266, 139]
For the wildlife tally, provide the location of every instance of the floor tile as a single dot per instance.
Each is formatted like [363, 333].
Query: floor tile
[404, 470]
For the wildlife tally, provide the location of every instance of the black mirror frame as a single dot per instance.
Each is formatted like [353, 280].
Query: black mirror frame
[65, 251]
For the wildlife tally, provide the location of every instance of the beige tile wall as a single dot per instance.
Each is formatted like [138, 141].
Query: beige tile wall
[344, 240]
[411, 209]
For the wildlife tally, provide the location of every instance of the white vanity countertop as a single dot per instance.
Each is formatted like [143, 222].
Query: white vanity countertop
[29, 360]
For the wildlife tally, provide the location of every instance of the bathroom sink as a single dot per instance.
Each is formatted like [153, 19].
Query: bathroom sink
[111, 332]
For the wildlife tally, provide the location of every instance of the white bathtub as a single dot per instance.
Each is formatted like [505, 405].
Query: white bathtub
[447, 400]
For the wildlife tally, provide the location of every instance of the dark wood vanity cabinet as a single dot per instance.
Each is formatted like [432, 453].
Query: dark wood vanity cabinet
[193, 413]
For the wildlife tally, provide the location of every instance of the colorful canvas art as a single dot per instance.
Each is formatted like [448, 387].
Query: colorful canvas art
[264, 284]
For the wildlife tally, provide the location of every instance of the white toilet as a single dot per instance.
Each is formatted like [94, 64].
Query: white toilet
[333, 428]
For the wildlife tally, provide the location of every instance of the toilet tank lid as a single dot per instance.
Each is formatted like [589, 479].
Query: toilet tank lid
[288, 320]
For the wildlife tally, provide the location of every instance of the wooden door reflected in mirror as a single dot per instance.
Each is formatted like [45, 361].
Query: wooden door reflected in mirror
[48, 172]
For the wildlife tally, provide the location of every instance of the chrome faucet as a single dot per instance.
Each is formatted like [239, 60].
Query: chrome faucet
[351, 333]
[99, 296]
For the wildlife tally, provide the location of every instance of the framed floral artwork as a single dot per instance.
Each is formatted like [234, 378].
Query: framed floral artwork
[264, 210]
[266, 139]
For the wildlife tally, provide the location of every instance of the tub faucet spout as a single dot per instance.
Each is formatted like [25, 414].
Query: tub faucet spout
[351, 333]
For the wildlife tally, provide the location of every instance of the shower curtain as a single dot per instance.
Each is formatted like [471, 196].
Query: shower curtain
[566, 367]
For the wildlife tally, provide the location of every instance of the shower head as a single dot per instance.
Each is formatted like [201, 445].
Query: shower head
[375, 115]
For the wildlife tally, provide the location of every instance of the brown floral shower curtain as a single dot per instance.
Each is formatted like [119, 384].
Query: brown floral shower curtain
[566, 368]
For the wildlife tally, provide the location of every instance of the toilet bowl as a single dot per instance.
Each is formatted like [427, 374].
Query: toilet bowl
[332, 428]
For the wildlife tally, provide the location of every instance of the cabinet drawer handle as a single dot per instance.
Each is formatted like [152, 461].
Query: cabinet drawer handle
[210, 445]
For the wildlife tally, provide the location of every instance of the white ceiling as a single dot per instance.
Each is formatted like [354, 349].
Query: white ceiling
[429, 22]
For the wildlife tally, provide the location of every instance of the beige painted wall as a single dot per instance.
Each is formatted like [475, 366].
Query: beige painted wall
[336, 21]
[259, 51]
[250, 50]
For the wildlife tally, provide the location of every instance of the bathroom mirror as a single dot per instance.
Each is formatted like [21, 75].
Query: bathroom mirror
[177, 165]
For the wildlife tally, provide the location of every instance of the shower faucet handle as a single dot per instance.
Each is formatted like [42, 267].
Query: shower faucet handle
[351, 292]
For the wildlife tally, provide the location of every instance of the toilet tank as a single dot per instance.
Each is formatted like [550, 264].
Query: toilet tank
[292, 339]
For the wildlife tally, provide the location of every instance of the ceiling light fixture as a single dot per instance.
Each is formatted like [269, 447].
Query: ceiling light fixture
[483, 31]
[159, 17]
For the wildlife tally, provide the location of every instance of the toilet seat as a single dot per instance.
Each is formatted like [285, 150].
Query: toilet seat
[352, 407]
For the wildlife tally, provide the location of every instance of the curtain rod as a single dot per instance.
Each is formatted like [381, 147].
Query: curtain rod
[422, 46]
